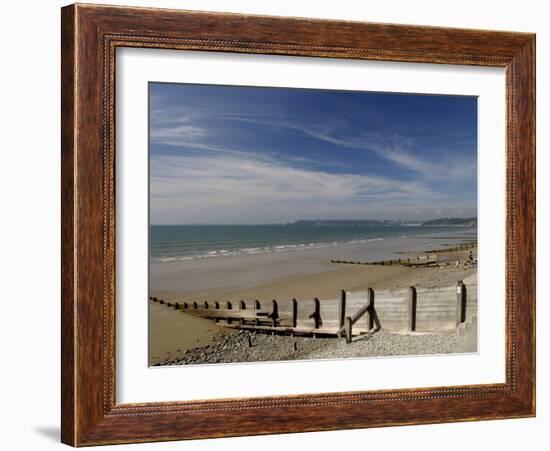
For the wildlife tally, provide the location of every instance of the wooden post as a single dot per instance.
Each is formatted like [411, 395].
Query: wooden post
[229, 306]
[370, 314]
[216, 305]
[195, 305]
[274, 315]
[206, 305]
[348, 329]
[316, 315]
[342, 309]
[257, 307]
[185, 305]
[177, 305]
[460, 303]
[294, 313]
[242, 305]
[412, 309]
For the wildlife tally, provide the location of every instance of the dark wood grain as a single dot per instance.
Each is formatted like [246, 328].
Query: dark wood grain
[90, 36]
[68, 400]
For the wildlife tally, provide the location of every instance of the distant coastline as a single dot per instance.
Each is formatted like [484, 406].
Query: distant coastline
[465, 222]
[468, 222]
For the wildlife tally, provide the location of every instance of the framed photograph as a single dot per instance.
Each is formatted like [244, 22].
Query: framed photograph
[278, 225]
[264, 219]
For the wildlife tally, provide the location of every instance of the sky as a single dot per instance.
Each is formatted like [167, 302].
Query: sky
[262, 155]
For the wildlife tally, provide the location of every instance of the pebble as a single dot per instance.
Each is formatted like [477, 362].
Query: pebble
[235, 348]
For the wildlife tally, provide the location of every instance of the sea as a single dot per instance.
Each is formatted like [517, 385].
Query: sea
[173, 243]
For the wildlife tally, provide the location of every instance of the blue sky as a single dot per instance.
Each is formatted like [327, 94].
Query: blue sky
[254, 155]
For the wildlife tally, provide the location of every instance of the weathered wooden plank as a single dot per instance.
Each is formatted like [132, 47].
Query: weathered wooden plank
[348, 326]
[342, 309]
[283, 329]
[460, 303]
[412, 309]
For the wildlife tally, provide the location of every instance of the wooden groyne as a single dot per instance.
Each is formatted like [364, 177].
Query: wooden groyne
[421, 260]
[431, 257]
[454, 248]
[352, 313]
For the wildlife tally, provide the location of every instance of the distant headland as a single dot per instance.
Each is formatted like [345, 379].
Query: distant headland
[464, 222]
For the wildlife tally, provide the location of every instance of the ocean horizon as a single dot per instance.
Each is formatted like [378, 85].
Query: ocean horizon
[172, 243]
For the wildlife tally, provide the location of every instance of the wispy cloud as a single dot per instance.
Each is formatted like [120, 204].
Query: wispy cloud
[393, 147]
[232, 189]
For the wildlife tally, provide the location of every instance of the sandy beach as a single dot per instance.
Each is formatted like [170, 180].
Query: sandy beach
[301, 274]
[170, 334]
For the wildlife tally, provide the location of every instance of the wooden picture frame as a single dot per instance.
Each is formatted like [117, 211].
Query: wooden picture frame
[90, 36]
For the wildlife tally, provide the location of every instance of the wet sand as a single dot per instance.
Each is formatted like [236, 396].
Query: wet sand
[328, 284]
[223, 276]
[171, 333]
